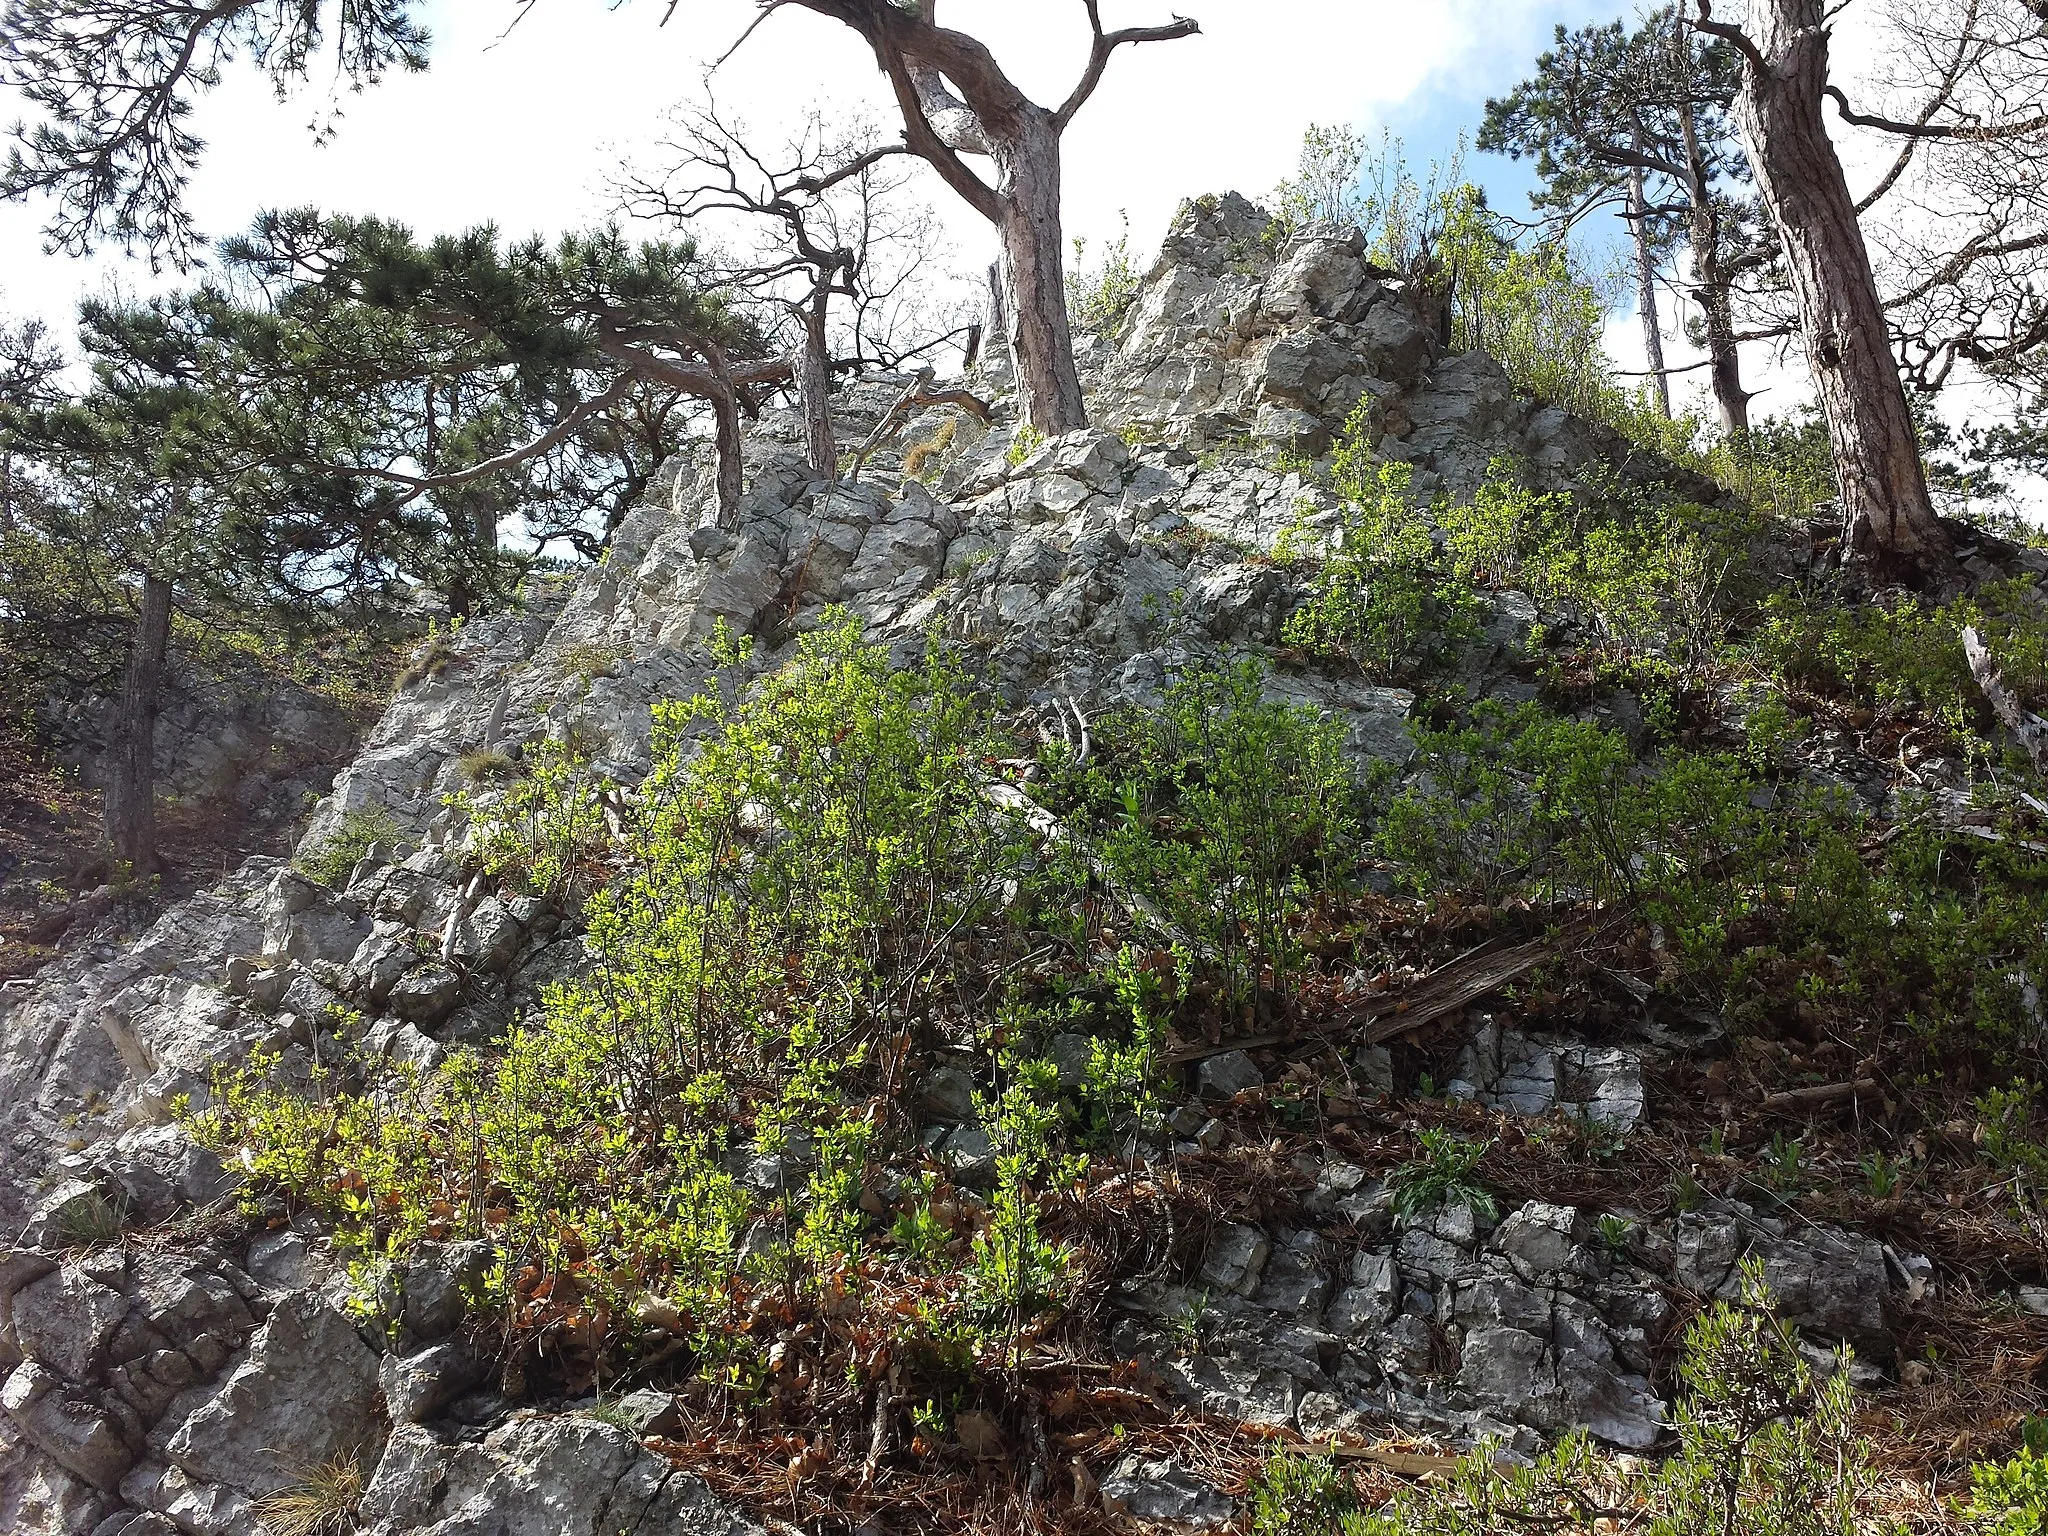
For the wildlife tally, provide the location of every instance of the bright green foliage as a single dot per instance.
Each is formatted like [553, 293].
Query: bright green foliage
[1447, 1173]
[2009, 1498]
[1380, 599]
[1024, 442]
[1223, 806]
[1764, 1450]
[1906, 659]
[1099, 298]
[357, 831]
[1015, 1273]
[1535, 310]
[546, 828]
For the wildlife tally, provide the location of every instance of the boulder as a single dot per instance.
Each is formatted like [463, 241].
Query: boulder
[306, 1393]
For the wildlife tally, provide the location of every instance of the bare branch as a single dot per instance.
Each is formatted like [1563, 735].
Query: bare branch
[1106, 43]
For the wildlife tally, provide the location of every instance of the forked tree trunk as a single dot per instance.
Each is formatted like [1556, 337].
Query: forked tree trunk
[1028, 223]
[130, 801]
[1646, 290]
[814, 390]
[1877, 452]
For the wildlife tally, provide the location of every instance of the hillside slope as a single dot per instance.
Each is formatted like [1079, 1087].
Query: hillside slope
[1191, 940]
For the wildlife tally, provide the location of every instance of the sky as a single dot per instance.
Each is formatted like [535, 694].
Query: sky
[528, 127]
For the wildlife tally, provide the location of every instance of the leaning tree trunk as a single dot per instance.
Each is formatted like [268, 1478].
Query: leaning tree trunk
[1877, 453]
[130, 804]
[1646, 289]
[1028, 222]
[814, 389]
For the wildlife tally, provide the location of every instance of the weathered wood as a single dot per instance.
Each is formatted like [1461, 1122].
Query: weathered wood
[1388, 1016]
[1818, 1096]
[2029, 728]
[129, 809]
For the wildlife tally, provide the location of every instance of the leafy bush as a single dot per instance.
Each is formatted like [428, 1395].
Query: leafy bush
[343, 849]
[1381, 599]
[790, 888]
[546, 830]
[1218, 807]
[1098, 298]
[2009, 1498]
[1445, 1174]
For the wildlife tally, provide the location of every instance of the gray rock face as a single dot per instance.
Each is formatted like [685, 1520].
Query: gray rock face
[1524, 1076]
[562, 1476]
[1164, 1493]
[306, 1393]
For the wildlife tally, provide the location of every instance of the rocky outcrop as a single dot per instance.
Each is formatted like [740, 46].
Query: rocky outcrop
[151, 1383]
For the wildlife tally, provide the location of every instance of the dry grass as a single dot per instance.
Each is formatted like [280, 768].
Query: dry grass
[321, 1503]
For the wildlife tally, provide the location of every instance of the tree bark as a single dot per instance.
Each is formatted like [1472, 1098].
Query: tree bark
[130, 800]
[1710, 280]
[725, 411]
[814, 389]
[1041, 344]
[1877, 453]
[1646, 289]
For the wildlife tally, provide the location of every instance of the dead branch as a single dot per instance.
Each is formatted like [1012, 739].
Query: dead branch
[2029, 728]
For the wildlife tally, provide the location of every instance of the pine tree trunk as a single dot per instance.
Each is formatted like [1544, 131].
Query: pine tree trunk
[130, 802]
[1877, 453]
[1646, 290]
[814, 390]
[725, 410]
[1710, 282]
[1042, 346]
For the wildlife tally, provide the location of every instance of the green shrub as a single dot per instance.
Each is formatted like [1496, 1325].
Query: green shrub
[343, 849]
[1099, 297]
[1445, 1174]
[2009, 1498]
[1381, 599]
[1226, 810]
[546, 831]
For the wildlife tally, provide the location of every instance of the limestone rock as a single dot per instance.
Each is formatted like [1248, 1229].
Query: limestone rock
[306, 1393]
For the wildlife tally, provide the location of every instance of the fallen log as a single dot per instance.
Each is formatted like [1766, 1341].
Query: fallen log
[1376, 1020]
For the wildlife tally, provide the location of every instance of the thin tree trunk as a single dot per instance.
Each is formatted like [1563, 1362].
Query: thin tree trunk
[130, 801]
[1028, 163]
[1877, 453]
[1646, 289]
[814, 389]
[1710, 284]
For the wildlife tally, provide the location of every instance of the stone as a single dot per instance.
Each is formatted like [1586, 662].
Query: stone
[438, 1280]
[426, 995]
[64, 1320]
[487, 938]
[947, 1093]
[1295, 1278]
[416, 1387]
[309, 1386]
[1236, 1258]
[65, 1425]
[1223, 1077]
[1165, 1493]
[562, 1475]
